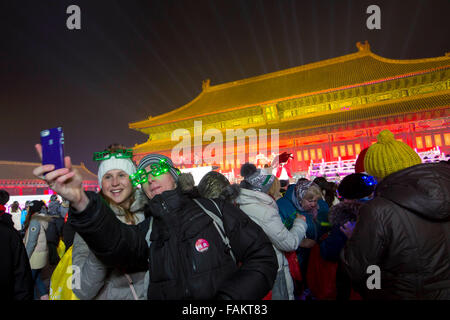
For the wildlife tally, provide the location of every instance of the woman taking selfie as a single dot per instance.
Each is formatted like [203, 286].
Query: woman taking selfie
[127, 203]
[192, 248]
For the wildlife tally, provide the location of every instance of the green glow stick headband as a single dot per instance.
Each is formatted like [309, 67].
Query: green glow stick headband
[118, 154]
[156, 169]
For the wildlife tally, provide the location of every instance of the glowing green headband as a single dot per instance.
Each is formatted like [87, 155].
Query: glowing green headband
[119, 154]
[156, 169]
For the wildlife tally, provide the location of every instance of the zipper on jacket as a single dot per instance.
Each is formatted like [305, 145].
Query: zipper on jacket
[164, 205]
[187, 293]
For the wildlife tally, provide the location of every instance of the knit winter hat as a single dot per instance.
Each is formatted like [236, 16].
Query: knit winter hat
[113, 163]
[356, 186]
[155, 158]
[256, 179]
[35, 206]
[388, 156]
[359, 164]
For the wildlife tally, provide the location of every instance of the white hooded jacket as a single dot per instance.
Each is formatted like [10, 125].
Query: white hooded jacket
[263, 210]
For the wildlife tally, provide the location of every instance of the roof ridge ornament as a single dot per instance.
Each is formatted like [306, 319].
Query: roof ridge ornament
[206, 84]
[363, 46]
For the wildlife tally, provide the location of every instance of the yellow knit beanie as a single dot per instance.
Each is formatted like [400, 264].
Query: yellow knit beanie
[388, 156]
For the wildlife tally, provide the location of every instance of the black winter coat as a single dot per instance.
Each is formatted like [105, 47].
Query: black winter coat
[405, 230]
[15, 272]
[178, 267]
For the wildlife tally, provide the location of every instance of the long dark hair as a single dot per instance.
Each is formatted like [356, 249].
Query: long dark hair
[27, 220]
[15, 206]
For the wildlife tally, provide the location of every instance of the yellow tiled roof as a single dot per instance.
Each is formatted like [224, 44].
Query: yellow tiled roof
[389, 108]
[16, 170]
[357, 68]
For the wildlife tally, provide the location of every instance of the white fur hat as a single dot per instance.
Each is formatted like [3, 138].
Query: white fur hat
[113, 163]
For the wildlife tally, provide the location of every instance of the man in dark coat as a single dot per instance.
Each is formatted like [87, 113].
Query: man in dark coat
[15, 273]
[400, 247]
[179, 244]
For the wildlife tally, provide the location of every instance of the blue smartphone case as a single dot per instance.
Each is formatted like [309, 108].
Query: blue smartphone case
[52, 141]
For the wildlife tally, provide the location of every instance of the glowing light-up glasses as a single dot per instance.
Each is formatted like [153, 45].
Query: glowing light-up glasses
[118, 154]
[156, 169]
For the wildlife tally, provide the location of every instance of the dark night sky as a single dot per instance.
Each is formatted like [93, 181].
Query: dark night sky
[132, 59]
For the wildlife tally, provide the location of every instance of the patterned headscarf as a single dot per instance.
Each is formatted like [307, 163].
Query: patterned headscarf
[301, 188]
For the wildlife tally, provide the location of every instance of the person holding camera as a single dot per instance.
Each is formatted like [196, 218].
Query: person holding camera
[186, 251]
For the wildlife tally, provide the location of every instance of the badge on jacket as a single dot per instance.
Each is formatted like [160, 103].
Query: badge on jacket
[201, 245]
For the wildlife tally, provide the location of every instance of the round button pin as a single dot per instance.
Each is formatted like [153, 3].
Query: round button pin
[201, 245]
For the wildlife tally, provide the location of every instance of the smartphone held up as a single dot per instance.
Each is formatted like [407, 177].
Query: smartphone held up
[52, 141]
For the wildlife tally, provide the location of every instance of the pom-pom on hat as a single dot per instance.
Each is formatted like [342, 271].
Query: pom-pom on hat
[388, 156]
[356, 186]
[256, 179]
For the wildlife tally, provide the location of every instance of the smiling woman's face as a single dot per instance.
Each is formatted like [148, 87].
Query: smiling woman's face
[116, 186]
[159, 184]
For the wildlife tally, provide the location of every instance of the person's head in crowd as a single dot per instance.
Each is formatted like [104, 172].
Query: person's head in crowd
[307, 194]
[44, 209]
[15, 207]
[4, 198]
[215, 185]
[344, 212]
[284, 184]
[157, 174]
[186, 182]
[35, 207]
[388, 155]
[359, 164]
[328, 189]
[54, 198]
[256, 179]
[357, 187]
[274, 190]
[113, 175]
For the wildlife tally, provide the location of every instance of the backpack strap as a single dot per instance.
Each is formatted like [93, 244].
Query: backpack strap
[218, 223]
[130, 284]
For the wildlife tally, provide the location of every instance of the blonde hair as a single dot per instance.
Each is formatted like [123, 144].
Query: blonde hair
[129, 216]
[314, 191]
[274, 190]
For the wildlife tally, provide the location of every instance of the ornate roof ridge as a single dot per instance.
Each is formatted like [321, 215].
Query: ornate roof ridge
[363, 50]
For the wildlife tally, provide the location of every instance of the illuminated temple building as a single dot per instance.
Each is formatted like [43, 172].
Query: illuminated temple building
[325, 111]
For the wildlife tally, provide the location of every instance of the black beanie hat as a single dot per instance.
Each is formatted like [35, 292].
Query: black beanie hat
[4, 197]
[356, 186]
[35, 206]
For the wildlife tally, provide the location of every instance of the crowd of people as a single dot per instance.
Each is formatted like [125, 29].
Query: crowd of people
[39, 228]
[151, 233]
